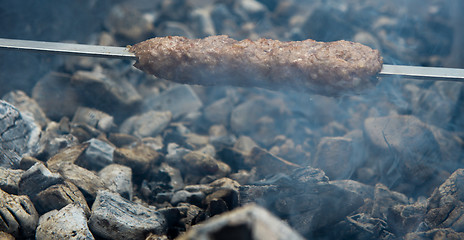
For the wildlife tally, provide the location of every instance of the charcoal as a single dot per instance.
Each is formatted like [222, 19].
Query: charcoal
[219, 111]
[410, 148]
[19, 216]
[87, 181]
[105, 92]
[365, 191]
[36, 179]
[156, 143]
[202, 22]
[19, 134]
[9, 179]
[334, 156]
[26, 104]
[439, 233]
[6, 236]
[446, 205]
[98, 155]
[54, 139]
[68, 223]
[67, 155]
[268, 164]
[201, 165]
[148, 124]
[122, 139]
[27, 162]
[128, 23]
[58, 196]
[56, 96]
[249, 222]
[366, 227]
[165, 178]
[183, 196]
[133, 221]
[406, 218]
[118, 178]
[94, 118]
[171, 28]
[384, 199]
[180, 100]
[139, 158]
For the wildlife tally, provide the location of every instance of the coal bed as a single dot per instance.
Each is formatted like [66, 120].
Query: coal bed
[93, 148]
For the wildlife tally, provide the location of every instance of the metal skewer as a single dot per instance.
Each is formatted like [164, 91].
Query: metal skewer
[427, 73]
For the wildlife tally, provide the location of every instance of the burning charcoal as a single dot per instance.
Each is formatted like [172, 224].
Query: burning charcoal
[94, 118]
[221, 201]
[87, 181]
[18, 215]
[201, 22]
[132, 221]
[56, 96]
[267, 163]
[180, 100]
[9, 179]
[385, 199]
[36, 179]
[19, 134]
[97, 155]
[245, 144]
[118, 178]
[335, 156]
[148, 124]
[58, 196]
[104, 92]
[175, 154]
[439, 233]
[450, 148]
[446, 205]
[195, 141]
[249, 222]
[68, 223]
[219, 111]
[410, 148]
[139, 158]
[25, 104]
[192, 214]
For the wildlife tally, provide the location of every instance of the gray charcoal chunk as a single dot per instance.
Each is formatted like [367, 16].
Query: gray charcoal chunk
[19, 133]
[97, 155]
[18, 215]
[68, 223]
[148, 124]
[36, 179]
[219, 111]
[9, 179]
[249, 222]
[118, 178]
[115, 217]
[180, 100]
[26, 104]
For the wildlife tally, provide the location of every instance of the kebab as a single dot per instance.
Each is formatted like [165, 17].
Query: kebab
[331, 68]
[317, 67]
